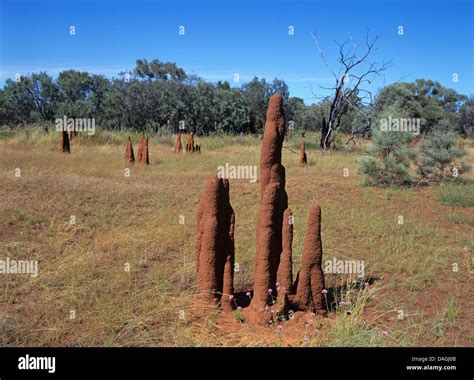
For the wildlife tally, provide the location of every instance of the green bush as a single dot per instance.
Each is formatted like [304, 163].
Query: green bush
[440, 156]
[389, 159]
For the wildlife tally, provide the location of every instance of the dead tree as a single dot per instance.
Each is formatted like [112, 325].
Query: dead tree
[353, 73]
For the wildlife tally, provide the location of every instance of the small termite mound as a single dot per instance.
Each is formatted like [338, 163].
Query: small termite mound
[73, 133]
[65, 146]
[303, 158]
[178, 146]
[129, 155]
[215, 245]
[285, 269]
[309, 282]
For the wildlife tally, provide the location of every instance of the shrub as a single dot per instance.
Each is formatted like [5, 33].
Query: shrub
[440, 156]
[389, 159]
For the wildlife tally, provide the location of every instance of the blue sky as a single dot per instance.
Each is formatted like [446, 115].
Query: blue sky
[246, 37]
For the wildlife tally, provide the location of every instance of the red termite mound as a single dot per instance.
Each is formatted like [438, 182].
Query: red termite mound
[273, 137]
[309, 283]
[145, 157]
[285, 269]
[215, 244]
[142, 156]
[129, 156]
[273, 272]
[141, 147]
[303, 158]
[65, 147]
[274, 202]
[178, 147]
[190, 145]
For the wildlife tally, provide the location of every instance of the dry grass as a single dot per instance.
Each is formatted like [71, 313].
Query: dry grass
[135, 221]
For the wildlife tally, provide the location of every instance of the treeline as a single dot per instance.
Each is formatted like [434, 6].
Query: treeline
[159, 96]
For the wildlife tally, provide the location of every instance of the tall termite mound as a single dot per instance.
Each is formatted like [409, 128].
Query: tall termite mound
[145, 158]
[215, 244]
[273, 260]
[65, 147]
[141, 144]
[303, 158]
[190, 144]
[273, 272]
[129, 156]
[274, 202]
[178, 147]
[142, 156]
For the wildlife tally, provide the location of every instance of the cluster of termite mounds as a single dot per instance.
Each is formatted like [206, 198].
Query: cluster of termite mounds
[274, 290]
[190, 146]
[142, 154]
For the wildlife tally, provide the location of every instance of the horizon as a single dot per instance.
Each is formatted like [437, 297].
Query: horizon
[217, 43]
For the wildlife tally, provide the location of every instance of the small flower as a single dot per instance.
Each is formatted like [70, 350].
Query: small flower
[366, 284]
[325, 291]
[305, 340]
[277, 284]
[278, 289]
[280, 328]
[231, 297]
[349, 302]
[313, 315]
[267, 308]
[270, 291]
[239, 308]
[384, 333]
[247, 294]
[342, 303]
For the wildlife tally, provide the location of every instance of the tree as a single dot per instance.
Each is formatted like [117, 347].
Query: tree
[353, 72]
[156, 70]
[466, 119]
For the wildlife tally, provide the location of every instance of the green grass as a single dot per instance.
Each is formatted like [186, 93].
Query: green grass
[135, 221]
[461, 195]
